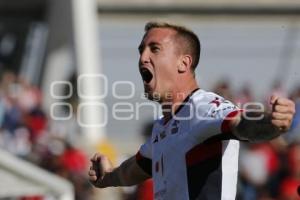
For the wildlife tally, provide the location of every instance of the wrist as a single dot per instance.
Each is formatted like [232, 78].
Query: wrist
[111, 179]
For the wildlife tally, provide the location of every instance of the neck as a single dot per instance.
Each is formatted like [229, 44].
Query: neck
[177, 96]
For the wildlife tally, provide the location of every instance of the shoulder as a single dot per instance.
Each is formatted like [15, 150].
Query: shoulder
[210, 104]
[206, 97]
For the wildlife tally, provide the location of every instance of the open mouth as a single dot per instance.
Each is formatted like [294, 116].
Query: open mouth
[146, 75]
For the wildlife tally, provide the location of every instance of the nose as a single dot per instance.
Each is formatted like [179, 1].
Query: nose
[144, 57]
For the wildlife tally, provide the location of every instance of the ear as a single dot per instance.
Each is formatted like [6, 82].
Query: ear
[185, 63]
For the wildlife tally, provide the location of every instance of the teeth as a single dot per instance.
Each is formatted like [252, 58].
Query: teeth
[146, 75]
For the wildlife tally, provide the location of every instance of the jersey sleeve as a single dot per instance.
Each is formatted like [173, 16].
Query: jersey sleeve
[144, 157]
[212, 117]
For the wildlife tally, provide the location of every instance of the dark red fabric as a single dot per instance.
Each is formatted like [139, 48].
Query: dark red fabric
[145, 190]
[203, 152]
[225, 127]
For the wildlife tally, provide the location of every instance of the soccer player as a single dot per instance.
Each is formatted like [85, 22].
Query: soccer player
[193, 151]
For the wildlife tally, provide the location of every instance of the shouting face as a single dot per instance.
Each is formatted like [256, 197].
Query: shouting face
[158, 62]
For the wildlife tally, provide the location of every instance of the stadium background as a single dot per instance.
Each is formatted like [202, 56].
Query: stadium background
[249, 50]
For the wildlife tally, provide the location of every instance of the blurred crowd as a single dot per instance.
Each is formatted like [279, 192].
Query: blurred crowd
[271, 170]
[27, 132]
[268, 171]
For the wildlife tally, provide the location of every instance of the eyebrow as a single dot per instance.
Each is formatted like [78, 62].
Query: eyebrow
[154, 43]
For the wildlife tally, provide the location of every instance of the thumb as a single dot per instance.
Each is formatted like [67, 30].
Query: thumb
[273, 99]
[106, 164]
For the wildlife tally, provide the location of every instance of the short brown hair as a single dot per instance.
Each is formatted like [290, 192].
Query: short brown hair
[189, 39]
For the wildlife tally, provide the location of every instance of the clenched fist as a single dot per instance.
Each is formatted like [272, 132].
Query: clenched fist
[283, 111]
[100, 167]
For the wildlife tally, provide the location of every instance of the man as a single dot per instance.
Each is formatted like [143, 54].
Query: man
[193, 152]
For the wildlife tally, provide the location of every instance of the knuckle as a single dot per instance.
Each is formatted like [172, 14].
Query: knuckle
[291, 102]
[277, 108]
[275, 122]
[99, 155]
[95, 156]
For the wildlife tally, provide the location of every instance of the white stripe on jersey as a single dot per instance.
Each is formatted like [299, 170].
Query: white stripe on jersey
[229, 168]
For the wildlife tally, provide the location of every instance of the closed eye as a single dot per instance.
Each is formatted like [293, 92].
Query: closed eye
[154, 48]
